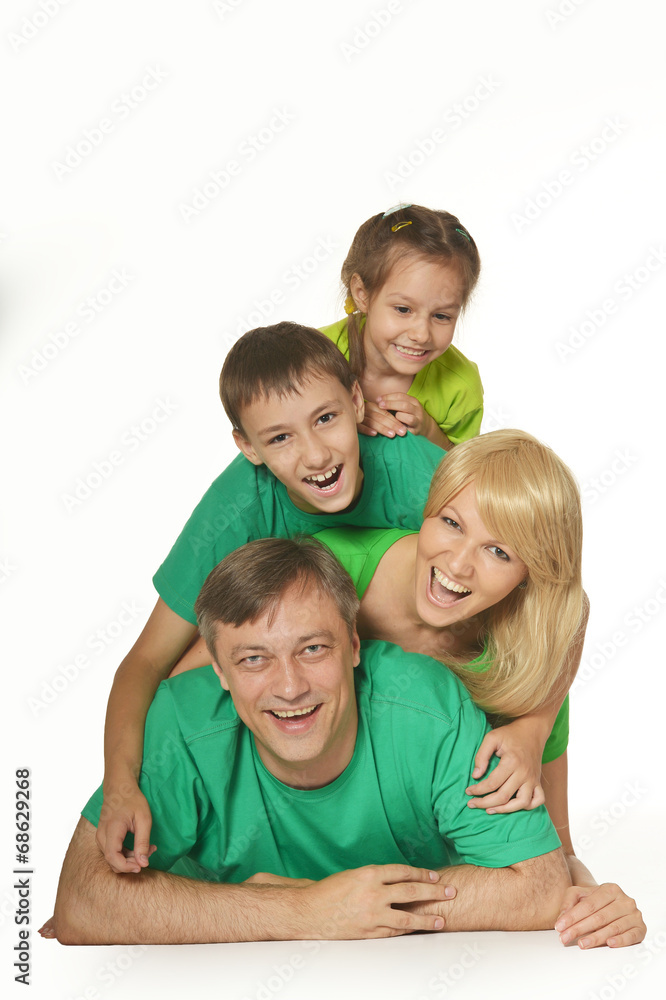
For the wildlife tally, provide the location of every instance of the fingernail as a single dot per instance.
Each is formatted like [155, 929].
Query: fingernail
[439, 923]
[584, 943]
[449, 892]
[434, 876]
[611, 942]
[560, 925]
[143, 859]
[491, 812]
[565, 938]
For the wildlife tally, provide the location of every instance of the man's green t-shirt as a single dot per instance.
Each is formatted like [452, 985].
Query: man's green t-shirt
[360, 551]
[247, 502]
[220, 815]
[448, 388]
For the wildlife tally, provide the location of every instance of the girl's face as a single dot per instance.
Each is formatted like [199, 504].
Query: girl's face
[411, 319]
[461, 569]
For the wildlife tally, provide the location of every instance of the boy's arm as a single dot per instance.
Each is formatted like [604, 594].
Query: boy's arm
[516, 781]
[163, 640]
[595, 914]
[95, 906]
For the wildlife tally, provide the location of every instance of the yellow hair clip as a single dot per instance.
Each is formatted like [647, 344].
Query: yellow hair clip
[400, 225]
[350, 305]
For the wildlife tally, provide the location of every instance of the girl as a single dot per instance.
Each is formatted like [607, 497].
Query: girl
[408, 275]
[491, 586]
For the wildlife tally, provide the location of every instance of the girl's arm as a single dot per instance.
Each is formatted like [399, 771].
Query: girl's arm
[594, 914]
[516, 781]
[163, 640]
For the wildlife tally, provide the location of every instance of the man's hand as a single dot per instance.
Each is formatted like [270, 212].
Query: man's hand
[361, 903]
[379, 421]
[125, 811]
[516, 781]
[600, 915]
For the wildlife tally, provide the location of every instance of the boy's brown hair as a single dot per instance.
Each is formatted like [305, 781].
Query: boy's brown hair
[278, 360]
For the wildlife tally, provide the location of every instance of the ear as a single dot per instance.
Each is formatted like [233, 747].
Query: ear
[358, 402]
[358, 293]
[220, 673]
[246, 448]
[356, 649]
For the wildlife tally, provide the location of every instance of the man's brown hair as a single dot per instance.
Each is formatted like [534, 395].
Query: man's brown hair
[251, 581]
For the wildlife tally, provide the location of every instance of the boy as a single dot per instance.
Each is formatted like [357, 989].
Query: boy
[294, 406]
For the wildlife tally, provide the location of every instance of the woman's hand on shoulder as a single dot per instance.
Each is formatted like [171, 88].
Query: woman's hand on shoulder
[516, 781]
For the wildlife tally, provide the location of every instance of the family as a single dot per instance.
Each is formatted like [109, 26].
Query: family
[347, 715]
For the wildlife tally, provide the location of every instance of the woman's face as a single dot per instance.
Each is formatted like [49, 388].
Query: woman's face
[461, 569]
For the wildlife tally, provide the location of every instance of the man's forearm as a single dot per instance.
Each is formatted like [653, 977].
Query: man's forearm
[96, 906]
[523, 897]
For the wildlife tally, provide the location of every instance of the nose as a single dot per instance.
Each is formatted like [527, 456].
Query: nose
[418, 332]
[316, 454]
[290, 682]
[460, 559]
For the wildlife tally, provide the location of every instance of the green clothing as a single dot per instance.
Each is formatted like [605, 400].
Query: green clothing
[360, 551]
[246, 502]
[220, 815]
[449, 388]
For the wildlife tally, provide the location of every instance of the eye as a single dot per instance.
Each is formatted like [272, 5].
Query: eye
[251, 661]
[315, 647]
[500, 553]
[326, 418]
[451, 523]
[403, 310]
[278, 439]
[442, 316]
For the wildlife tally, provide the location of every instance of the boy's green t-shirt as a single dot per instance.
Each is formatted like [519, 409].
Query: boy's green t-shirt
[360, 551]
[247, 502]
[220, 815]
[449, 388]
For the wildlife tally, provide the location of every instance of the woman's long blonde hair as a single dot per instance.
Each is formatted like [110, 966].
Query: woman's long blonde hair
[528, 499]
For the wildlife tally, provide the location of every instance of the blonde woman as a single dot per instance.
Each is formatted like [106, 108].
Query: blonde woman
[491, 587]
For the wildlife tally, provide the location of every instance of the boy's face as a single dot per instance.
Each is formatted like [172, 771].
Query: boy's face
[309, 442]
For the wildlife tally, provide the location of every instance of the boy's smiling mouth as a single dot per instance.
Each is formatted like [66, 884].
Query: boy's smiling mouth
[325, 482]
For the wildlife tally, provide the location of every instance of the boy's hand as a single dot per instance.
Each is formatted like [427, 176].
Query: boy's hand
[408, 411]
[378, 421]
[515, 782]
[600, 915]
[125, 811]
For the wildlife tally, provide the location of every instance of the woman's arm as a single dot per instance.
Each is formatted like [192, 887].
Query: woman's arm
[163, 640]
[594, 914]
[516, 781]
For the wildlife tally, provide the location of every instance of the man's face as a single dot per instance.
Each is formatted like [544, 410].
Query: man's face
[292, 685]
[309, 442]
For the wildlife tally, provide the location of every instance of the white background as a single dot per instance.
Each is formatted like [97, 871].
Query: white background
[357, 96]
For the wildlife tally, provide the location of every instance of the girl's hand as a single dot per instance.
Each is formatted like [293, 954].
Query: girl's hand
[378, 421]
[408, 411]
[599, 915]
[515, 782]
[125, 811]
